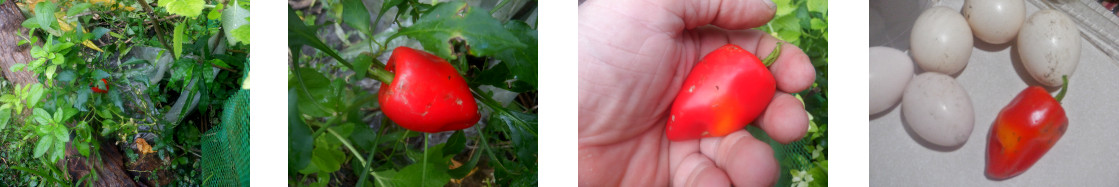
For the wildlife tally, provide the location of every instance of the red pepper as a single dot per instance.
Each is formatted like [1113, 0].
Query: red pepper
[426, 93]
[726, 90]
[1024, 131]
[99, 90]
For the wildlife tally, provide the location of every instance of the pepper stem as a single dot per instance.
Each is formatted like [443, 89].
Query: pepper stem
[1064, 88]
[381, 75]
[772, 55]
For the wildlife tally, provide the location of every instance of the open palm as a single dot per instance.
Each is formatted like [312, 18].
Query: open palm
[633, 58]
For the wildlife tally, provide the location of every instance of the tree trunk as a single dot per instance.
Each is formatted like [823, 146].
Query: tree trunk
[11, 53]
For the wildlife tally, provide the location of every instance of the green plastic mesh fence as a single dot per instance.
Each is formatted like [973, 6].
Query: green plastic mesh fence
[225, 148]
[790, 156]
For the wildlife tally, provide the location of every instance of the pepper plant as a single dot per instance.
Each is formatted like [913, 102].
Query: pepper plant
[344, 128]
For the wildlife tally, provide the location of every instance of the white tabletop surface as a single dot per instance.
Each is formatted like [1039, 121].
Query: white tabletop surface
[1087, 155]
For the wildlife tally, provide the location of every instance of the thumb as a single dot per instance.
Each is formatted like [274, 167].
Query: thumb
[728, 14]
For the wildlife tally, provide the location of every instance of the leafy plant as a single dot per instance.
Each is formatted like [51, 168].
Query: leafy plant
[101, 67]
[804, 23]
[336, 130]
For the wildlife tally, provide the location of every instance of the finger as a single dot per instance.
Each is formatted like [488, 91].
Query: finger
[784, 119]
[746, 160]
[792, 70]
[697, 170]
[736, 14]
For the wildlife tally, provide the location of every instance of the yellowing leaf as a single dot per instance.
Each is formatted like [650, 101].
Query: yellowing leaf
[90, 45]
[143, 146]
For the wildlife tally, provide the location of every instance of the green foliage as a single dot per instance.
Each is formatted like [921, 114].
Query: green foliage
[188, 8]
[329, 131]
[75, 44]
[804, 23]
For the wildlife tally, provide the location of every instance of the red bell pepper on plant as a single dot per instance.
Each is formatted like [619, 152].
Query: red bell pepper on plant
[1024, 131]
[426, 93]
[726, 90]
[100, 90]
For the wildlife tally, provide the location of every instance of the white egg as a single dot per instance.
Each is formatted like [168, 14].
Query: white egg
[890, 71]
[1049, 44]
[938, 109]
[941, 41]
[995, 21]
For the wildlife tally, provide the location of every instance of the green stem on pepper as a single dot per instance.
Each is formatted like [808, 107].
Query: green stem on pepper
[1064, 88]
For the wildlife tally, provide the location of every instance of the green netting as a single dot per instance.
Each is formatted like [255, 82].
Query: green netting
[225, 148]
[790, 156]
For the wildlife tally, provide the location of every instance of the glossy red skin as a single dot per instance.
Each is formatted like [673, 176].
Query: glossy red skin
[99, 90]
[725, 91]
[427, 94]
[1023, 132]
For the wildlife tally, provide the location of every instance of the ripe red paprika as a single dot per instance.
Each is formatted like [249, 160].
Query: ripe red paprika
[99, 90]
[726, 90]
[426, 93]
[1024, 131]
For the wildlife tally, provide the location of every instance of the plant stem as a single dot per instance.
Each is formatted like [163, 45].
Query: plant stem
[1064, 88]
[372, 152]
[348, 146]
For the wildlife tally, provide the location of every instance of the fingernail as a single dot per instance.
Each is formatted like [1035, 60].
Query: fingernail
[771, 5]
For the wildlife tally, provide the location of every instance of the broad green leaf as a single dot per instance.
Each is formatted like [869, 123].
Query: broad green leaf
[362, 137]
[100, 74]
[241, 34]
[453, 22]
[5, 115]
[82, 147]
[784, 7]
[361, 65]
[455, 143]
[66, 76]
[235, 18]
[187, 8]
[521, 62]
[318, 86]
[35, 93]
[44, 16]
[43, 145]
[355, 15]
[77, 8]
[818, 24]
[216, 12]
[178, 40]
[818, 6]
[299, 143]
[327, 158]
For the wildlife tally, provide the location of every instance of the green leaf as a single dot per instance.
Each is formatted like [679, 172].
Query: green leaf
[82, 147]
[44, 16]
[5, 116]
[299, 143]
[43, 145]
[820, 6]
[178, 40]
[66, 76]
[187, 8]
[355, 15]
[455, 143]
[451, 22]
[100, 74]
[77, 8]
[299, 35]
[362, 64]
[784, 7]
[521, 62]
[818, 24]
[327, 158]
[318, 86]
[233, 20]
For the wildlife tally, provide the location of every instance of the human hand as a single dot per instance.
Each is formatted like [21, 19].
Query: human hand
[633, 58]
